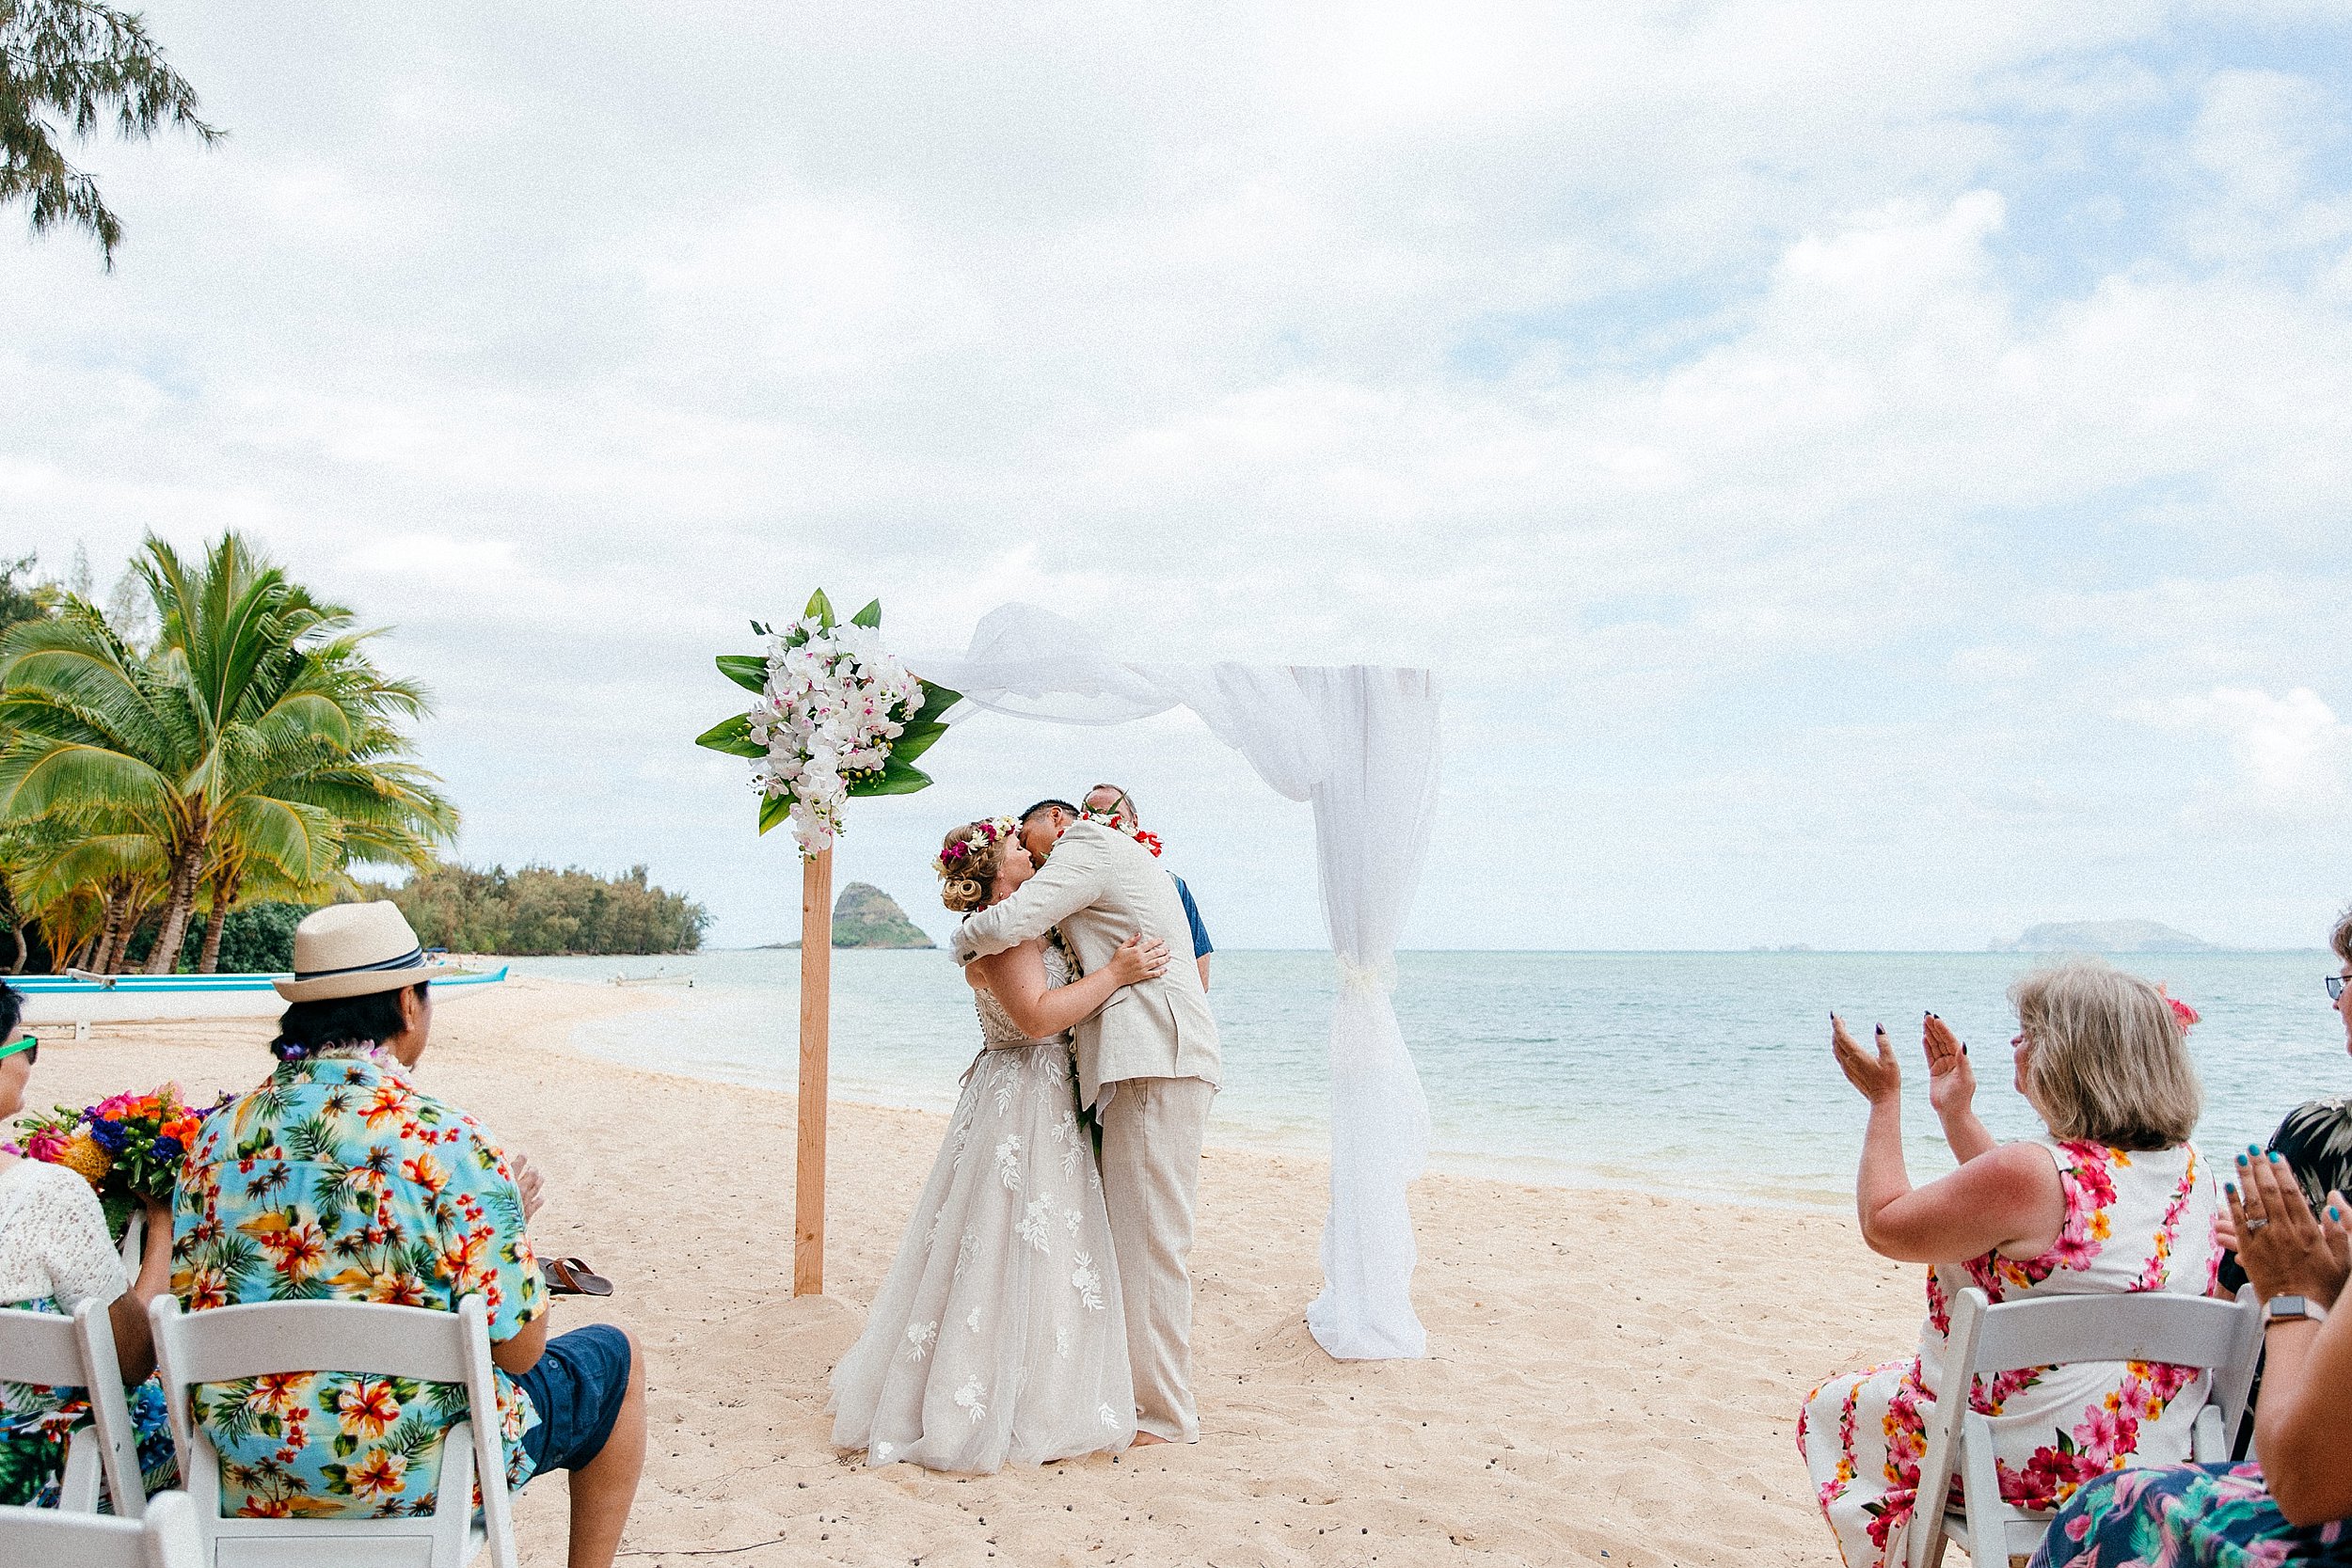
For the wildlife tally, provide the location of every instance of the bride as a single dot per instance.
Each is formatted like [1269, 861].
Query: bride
[998, 1335]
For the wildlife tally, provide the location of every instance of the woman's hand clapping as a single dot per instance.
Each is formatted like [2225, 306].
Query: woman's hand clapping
[1952, 1081]
[2285, 1249]
[1879, 1077]
[1139, 959]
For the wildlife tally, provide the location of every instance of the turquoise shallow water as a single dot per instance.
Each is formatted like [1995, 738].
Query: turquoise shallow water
[1691, 1072]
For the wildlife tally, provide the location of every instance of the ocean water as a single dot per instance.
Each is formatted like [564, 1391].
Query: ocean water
[1692, 1073]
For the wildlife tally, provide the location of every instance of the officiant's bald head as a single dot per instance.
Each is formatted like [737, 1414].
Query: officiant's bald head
[1112, 799]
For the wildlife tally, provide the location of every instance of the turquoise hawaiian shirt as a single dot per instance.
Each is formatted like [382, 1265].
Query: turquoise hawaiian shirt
[338, 1181]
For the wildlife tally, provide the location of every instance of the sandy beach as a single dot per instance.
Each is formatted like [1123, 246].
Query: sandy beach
[1613, 1377]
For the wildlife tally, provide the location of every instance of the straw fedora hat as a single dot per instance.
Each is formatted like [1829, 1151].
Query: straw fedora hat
[356, 949]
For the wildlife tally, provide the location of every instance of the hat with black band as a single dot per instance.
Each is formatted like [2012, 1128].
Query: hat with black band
[355, 950]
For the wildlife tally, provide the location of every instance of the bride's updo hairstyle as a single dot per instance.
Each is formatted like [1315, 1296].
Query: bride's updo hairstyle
[969, 859]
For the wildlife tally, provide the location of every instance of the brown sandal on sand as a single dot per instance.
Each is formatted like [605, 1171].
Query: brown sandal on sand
[570, 1276]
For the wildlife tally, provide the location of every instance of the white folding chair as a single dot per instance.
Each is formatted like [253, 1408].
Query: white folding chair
[42, 1347]
[231, 1342]
[166, 1538]
[2146, 1326]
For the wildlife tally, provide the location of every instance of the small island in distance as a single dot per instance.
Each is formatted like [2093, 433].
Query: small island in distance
[865, 916]
[2103, 936]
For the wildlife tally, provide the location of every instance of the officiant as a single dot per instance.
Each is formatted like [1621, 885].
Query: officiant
[1110, 799]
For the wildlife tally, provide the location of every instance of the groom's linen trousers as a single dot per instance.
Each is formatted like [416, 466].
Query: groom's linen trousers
[1151, 1133]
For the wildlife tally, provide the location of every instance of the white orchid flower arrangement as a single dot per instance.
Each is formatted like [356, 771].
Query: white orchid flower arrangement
[836, 715]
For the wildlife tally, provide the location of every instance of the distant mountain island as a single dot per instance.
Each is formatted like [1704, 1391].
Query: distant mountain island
[2104, 936]
[865, 916]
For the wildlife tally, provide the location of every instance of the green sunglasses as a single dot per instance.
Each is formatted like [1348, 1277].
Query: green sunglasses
[28, 1045]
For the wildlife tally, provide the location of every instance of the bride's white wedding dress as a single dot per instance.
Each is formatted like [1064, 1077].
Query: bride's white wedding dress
[998, 1334]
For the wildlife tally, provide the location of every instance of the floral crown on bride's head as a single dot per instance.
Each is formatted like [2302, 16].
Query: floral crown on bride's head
[956, 858]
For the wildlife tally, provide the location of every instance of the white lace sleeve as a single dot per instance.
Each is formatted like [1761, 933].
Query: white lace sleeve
[59, 1231]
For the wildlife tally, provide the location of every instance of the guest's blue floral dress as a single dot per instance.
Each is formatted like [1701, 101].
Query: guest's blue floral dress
[2187, 1516]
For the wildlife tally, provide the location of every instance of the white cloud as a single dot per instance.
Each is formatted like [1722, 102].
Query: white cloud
[2290, 753]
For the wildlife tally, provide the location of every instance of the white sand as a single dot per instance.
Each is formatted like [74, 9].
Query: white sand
[1612, 1377]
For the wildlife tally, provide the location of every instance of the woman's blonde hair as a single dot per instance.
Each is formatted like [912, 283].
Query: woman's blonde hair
[2110, 1057]
[969, 859]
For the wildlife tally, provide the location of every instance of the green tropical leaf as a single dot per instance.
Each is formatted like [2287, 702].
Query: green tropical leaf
[732, 736]
[916, 739]
[896, 779]
[937, 700]
[821, 608]
[748, 671]
[870, 617]
[775, 809]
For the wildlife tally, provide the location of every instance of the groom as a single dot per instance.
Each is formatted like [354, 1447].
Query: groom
[1147, 1064]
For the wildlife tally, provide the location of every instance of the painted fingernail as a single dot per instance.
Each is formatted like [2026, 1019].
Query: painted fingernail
[2229, 1187]
[2275, 1157]
[2335, 1213]
[2253, 1148]
[2241, 1159]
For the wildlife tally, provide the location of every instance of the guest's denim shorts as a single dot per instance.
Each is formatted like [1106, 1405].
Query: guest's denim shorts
[576, 1388]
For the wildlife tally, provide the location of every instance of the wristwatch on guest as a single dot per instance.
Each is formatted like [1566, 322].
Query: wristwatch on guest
[2293, 1309]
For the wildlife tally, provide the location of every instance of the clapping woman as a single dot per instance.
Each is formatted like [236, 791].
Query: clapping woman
[2110, 1198]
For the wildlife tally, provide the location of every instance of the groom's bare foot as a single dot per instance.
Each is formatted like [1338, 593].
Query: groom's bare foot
[1146, 1439]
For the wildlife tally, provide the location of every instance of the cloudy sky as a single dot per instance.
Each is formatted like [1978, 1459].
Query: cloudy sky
[1870, 476]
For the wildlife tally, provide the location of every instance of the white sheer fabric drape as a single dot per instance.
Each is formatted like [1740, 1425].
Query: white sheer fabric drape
[1373, 810]
[1360, 744]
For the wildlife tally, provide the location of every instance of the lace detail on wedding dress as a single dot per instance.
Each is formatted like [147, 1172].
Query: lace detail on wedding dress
[998, 1335]
[996, 1025]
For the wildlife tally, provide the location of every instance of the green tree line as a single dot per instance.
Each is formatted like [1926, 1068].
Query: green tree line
[539, 909]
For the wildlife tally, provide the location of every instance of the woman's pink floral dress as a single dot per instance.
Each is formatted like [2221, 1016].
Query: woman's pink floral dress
[2134, 1222]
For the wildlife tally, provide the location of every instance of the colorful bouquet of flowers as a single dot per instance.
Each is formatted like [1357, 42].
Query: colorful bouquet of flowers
[837, 715]
[129, 1146]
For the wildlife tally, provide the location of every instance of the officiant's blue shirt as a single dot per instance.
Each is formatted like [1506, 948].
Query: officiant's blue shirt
[1200, 945]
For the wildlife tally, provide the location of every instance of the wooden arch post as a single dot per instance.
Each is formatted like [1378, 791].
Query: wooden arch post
[808, 1187]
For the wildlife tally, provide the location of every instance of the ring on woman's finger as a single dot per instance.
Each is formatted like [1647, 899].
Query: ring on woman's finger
[2255, 1224]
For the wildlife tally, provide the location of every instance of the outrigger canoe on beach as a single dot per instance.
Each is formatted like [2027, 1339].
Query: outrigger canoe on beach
[78, 997]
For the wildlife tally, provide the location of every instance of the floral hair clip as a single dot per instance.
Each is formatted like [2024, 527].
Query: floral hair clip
[955, 858]
[2188, 1016]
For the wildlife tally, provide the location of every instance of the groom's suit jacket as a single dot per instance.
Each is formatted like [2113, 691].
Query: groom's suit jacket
[1102, 887]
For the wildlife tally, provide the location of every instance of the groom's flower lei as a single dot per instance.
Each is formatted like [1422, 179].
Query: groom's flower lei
[955, 858]
[1118, 823]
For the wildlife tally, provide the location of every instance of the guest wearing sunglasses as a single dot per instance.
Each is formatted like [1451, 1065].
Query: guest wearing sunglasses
[55, 1253]
[2316, 1136]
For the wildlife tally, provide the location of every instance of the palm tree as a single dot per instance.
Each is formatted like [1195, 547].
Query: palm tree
[256, 742]
[85, 891]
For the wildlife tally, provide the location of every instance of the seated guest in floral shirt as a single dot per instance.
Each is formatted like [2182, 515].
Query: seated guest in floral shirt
[339, 1180]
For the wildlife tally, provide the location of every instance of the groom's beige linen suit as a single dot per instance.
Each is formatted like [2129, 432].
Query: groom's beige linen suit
[1149, 1062]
